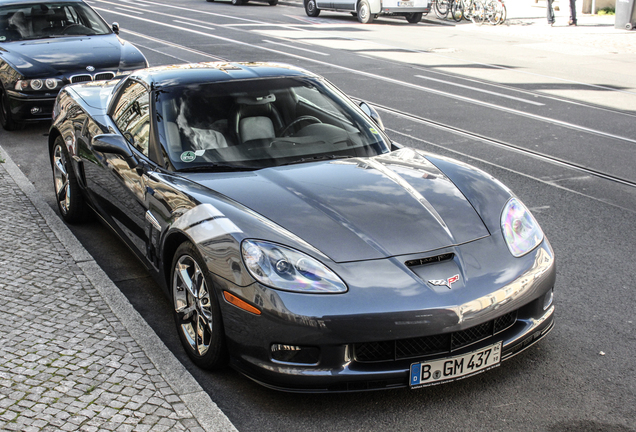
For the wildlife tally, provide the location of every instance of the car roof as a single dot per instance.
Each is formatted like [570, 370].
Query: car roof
[18, 2]
[193, 73]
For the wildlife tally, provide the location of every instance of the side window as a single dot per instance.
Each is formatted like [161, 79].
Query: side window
[132, 116]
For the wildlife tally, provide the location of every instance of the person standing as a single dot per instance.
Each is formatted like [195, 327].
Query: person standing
[572, 21]
[551, 12]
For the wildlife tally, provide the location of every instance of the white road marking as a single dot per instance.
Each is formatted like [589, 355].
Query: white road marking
[296, 47]
[481, 90]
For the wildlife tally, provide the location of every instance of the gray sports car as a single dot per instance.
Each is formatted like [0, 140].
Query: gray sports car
[297, 241]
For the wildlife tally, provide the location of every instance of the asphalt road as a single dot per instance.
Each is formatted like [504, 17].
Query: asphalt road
[556, 128]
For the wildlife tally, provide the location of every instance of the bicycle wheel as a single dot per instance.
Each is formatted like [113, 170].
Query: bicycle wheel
[441, 8]
[476, 12]
[504, 13]
[457, 10]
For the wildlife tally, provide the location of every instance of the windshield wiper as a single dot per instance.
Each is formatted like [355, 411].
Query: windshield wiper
[317, 158]
[211, 167]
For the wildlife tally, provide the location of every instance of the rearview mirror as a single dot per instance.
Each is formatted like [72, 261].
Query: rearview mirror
[115, 28]
[371, 112]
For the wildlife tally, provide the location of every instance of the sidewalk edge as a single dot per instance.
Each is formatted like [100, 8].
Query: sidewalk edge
[205, 411]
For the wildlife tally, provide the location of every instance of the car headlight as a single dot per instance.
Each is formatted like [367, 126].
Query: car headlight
[283, 268]
[38, 84]
[520, 229]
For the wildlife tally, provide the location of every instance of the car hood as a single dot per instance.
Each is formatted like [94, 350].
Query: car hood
[65, 55]
[361, 208]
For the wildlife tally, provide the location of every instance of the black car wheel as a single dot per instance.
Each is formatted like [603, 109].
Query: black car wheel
[414, 17]
[364, 12]
[6, 119]
[237, 2]
[273, 2]
[68, 196]
[311, 9]
[196, 308]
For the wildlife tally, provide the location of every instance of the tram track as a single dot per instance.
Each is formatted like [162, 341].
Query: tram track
[505, 145]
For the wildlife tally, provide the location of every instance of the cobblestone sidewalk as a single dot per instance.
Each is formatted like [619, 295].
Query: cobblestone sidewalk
[67, 362]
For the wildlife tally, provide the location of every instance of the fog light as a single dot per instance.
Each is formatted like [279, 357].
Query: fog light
[547, 300]
[295, 354]
[35, 110]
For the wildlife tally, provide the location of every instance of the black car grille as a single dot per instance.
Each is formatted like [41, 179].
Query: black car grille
[369, 352]
[88, 77]
[81, 78]
[104, 76]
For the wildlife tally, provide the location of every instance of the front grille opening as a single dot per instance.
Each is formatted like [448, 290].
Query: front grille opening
[372, 352]
[429, 260]
[81, 78]
[104, 76]
[101, 76]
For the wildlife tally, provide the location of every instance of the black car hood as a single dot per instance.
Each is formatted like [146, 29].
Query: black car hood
[362, 208]
[65, 55]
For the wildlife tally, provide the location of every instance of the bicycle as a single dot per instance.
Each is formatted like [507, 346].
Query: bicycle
[442, 7]
[495, 11]
[472, 10]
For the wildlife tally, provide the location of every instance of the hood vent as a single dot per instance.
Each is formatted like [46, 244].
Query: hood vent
[429, 260]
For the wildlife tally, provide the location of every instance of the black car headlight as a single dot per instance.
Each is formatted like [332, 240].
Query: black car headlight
[283, 268]
[37, 84]
[520, 229]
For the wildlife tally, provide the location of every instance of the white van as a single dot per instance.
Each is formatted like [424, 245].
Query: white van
[367, 10]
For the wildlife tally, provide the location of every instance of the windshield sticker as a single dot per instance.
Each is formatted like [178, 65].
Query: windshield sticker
[188, 156]
[374, 131]
[199, 152]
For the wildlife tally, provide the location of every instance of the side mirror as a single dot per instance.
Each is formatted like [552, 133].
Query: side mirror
[371, 112]
[115, 144]
[115, 28]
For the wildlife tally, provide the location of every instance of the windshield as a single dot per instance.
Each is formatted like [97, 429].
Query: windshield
[260, 123]
[43, 20]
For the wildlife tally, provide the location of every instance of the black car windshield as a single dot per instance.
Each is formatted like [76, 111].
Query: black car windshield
[261, 123]
[44, 20]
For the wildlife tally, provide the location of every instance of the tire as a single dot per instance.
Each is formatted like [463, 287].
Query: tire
[457, 10]
[442, 7]
[6, 118]
[414, 17]
[504, 13]
[200, 327]
[209, 1]
[237, 2]
[273, 2]
[68, 196]
[364, 12]
[477, 12]
[311, 9]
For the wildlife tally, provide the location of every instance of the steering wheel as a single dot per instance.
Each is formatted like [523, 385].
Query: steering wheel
[298, 120]
[71, 29]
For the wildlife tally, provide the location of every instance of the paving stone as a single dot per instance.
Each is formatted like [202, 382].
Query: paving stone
[66, 362]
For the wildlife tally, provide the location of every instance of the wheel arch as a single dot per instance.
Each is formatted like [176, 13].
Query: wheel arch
[375, 6]
[54, 133]
[173, 240]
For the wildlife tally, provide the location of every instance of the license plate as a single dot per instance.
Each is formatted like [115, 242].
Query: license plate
[405, 4]
[449, 369]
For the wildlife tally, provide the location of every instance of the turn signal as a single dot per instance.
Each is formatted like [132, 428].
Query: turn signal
[232, 299]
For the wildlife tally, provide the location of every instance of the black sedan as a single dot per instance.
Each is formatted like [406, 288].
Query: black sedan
[46, 45]
[294, 238]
